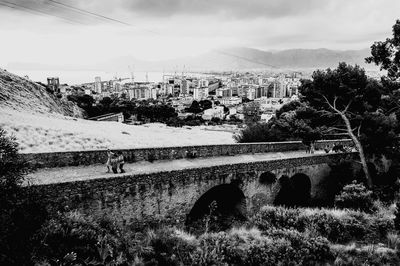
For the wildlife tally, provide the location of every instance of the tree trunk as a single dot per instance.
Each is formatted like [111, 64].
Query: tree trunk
[359, 149]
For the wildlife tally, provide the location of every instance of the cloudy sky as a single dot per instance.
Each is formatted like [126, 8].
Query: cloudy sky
[46, 31]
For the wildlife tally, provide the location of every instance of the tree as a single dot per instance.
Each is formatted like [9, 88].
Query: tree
[194, 108]
[342, 92]
[20, 213]
[205, 104]
[386, 54]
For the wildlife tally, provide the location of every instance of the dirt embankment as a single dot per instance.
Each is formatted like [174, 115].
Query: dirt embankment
[21, 94]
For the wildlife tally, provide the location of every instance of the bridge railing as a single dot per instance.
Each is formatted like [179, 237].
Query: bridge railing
[75, 158]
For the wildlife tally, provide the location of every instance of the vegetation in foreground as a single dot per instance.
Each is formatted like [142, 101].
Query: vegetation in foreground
[274, 236]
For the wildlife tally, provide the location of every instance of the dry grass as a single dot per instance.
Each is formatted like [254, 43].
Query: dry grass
[50, 133]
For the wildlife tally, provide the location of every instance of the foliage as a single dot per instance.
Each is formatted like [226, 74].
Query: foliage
[20, 214]
[294, 121]
[336, 226]
[386, 54]
[143, 110]
[92, 240]
[352, 255]
[355, 196]
[249, 247]
[342, 172]
[397, 216]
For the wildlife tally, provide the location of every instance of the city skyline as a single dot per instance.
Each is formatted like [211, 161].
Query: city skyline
[47, 31]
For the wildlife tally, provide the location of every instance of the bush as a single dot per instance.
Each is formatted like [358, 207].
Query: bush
[247, 247]
[21, 215]
[364, 255]
[337, 226]
[91, 240]
[355, 196]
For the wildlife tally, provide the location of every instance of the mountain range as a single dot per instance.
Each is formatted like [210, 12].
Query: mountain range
[238, 58]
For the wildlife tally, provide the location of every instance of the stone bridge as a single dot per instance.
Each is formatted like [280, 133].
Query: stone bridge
[180, 190]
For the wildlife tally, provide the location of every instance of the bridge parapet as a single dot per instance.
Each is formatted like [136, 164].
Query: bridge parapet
[75, 158]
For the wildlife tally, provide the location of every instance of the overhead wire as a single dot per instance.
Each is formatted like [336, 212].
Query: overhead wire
[34, 11]
[93, 14]
[80, 10]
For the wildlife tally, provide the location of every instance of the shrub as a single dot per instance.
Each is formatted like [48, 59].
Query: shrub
[90, 239]
[20, 212]
[364, 255]
[335, 225]
[275, 247]
[278, 217]
[355, 196]
[397, 216]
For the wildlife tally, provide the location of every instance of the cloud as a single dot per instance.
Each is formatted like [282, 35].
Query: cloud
[227, 8]
[234, 9]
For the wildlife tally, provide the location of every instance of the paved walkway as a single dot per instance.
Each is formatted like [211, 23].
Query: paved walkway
[76, 173]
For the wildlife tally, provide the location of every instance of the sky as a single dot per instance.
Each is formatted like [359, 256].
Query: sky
[45, 31]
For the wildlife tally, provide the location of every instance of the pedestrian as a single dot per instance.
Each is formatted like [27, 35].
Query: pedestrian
[312, 147]
[110, 154]
[114, 163]
[121, 161]
[327, 149]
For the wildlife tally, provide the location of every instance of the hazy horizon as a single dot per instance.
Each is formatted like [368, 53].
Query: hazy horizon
[78, 32]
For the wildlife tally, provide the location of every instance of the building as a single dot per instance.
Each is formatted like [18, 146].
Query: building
[223, 92]
[200, 93]
[116, 117]
[185, 87]
[98, 85]
[229, 101]
[215, 112]
[53, 83]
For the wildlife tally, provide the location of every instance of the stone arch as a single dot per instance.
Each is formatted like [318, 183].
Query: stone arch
[302, 189]
[221, 206]
[267, 178]
[294, 191]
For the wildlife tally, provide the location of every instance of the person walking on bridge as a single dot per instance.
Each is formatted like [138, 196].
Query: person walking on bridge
[110, 155]
[121, 161]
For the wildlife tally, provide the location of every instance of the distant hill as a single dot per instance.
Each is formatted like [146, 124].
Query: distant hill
[21, 94]
[238, 58]
[247, 58]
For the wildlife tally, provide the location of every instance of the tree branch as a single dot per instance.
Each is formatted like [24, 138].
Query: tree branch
[336, 128]
[347, 106]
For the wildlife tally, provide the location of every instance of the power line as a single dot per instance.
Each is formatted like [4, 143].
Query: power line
[93, 14]
[34, 11]
[89, 12]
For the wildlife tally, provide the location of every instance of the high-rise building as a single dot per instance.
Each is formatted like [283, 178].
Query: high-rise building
[97, 85]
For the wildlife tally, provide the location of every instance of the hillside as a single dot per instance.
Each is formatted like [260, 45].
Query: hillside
[21, 94]
[248, 58]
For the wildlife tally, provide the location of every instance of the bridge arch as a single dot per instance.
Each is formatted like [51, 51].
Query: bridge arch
[294, 191]
[267, 178]
[221, 205]
[302, 189]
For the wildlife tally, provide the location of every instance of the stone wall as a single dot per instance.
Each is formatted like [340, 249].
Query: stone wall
[167, 197]
[74, 158]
